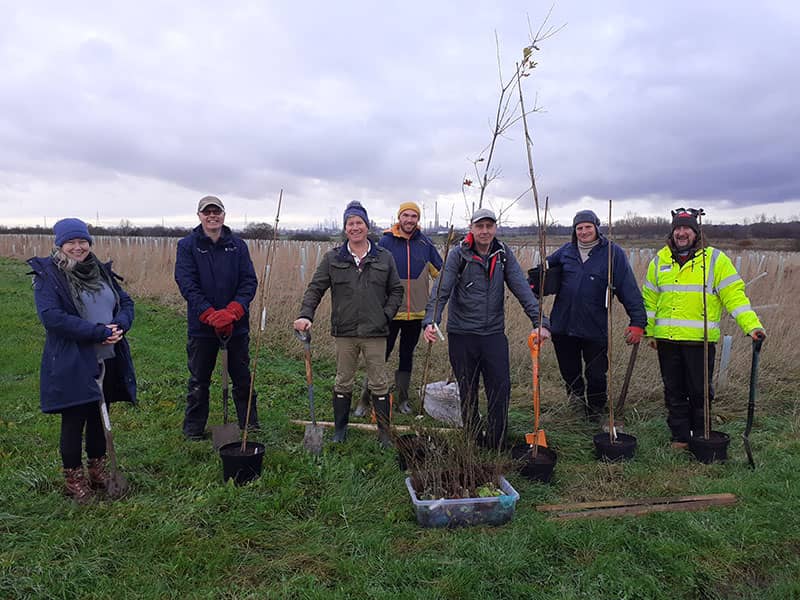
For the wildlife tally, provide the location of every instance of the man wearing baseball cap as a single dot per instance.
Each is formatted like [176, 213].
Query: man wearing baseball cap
[474, 280]
[215, 275]
[677, 278]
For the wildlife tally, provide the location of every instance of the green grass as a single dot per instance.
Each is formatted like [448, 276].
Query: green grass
[342, 525]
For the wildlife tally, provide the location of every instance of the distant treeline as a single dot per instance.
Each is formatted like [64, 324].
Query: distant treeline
[631, 226]
[654, 227]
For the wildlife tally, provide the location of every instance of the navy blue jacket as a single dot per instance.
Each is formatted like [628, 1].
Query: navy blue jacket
[580, 305]
[210, 275]
[69, 363]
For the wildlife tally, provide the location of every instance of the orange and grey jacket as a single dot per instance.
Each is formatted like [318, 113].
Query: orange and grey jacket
[673, 296]
[417, 259]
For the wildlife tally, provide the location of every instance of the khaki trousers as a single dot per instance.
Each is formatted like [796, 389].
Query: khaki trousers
[348, 350]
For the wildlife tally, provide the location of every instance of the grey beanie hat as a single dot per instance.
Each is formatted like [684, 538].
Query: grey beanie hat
[585, 216]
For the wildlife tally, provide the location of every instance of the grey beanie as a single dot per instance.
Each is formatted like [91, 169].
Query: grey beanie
[585, 216]
[354, 209]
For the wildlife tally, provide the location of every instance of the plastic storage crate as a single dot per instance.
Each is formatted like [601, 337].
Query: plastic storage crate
[459, 512]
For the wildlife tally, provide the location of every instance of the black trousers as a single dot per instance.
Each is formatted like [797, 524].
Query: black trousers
[409, 336]
[583, 365]
[471, 357]
[682, 373]
[202, 357]
[73, 421]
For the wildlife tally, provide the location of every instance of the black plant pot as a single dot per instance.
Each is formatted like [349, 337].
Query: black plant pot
[623, 448]
[712, 449]
[535, 468]
[240, 466]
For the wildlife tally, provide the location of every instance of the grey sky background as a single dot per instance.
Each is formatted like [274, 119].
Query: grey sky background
[134, 111]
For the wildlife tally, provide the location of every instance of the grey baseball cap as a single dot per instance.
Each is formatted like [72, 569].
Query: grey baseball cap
[209, 201]
[482, 213]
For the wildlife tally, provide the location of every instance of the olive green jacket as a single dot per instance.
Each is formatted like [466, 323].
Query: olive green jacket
[364, 299]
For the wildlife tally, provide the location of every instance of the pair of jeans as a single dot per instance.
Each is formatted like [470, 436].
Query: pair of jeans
[202, 357]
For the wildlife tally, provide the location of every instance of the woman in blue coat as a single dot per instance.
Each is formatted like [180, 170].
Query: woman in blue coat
[579, 319]
[85, 314]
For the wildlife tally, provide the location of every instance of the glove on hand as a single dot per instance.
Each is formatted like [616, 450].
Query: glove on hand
[221, 318]
[224, 332]
[205, 315]
[633, 335]
[237, 310]
[758, 334]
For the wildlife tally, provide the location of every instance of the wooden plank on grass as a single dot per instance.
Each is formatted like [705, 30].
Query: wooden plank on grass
[643, 509]
[367, 426]
[634, 502]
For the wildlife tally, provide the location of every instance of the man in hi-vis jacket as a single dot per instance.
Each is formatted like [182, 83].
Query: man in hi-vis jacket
[673, 299]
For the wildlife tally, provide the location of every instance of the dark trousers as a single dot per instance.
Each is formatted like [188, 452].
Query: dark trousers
[202, 356]
[73, 422]
[682, 373]
[580, 359]
[471, 357]
[409, 336]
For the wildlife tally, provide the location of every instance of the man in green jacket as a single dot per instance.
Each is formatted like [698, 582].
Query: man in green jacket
[365, 294]
[673, 299]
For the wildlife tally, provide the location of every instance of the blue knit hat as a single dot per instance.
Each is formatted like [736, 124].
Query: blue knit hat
[70, 229]
[354, 209]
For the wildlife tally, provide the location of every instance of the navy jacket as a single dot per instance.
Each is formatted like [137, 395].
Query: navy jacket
[580, 305]
[475, 288]
[69, 363]
[210, 275]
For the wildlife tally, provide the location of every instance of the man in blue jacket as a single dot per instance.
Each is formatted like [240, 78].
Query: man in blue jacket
[216, 277]
[417, 262]
[579, 319]
[474, 280]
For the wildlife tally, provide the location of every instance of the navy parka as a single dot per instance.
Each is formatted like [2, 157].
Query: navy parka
[579, 309]
[69, 363]
[211, 275]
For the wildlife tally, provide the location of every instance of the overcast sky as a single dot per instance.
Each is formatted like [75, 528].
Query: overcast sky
[134, 110]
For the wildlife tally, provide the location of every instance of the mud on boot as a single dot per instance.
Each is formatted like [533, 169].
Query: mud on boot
[77, 487]
[98, 473]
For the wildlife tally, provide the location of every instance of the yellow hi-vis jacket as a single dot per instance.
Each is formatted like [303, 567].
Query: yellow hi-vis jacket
[673, 296]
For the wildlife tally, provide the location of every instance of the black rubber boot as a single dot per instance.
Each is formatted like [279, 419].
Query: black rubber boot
[402, 381]
[341, 415]
[381, 404]
[362, 408]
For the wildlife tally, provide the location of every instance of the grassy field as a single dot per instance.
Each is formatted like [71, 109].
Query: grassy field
[342, 525]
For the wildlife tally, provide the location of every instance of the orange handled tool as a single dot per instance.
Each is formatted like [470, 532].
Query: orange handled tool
[537, 438]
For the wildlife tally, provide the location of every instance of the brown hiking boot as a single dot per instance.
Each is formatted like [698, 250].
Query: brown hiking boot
[98, 475]
[76, 486]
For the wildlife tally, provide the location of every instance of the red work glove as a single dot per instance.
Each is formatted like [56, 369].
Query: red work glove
[221, 318]
[224, 332]
[237, 310]
[633, 335]
[206, 315]
[758, 334]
